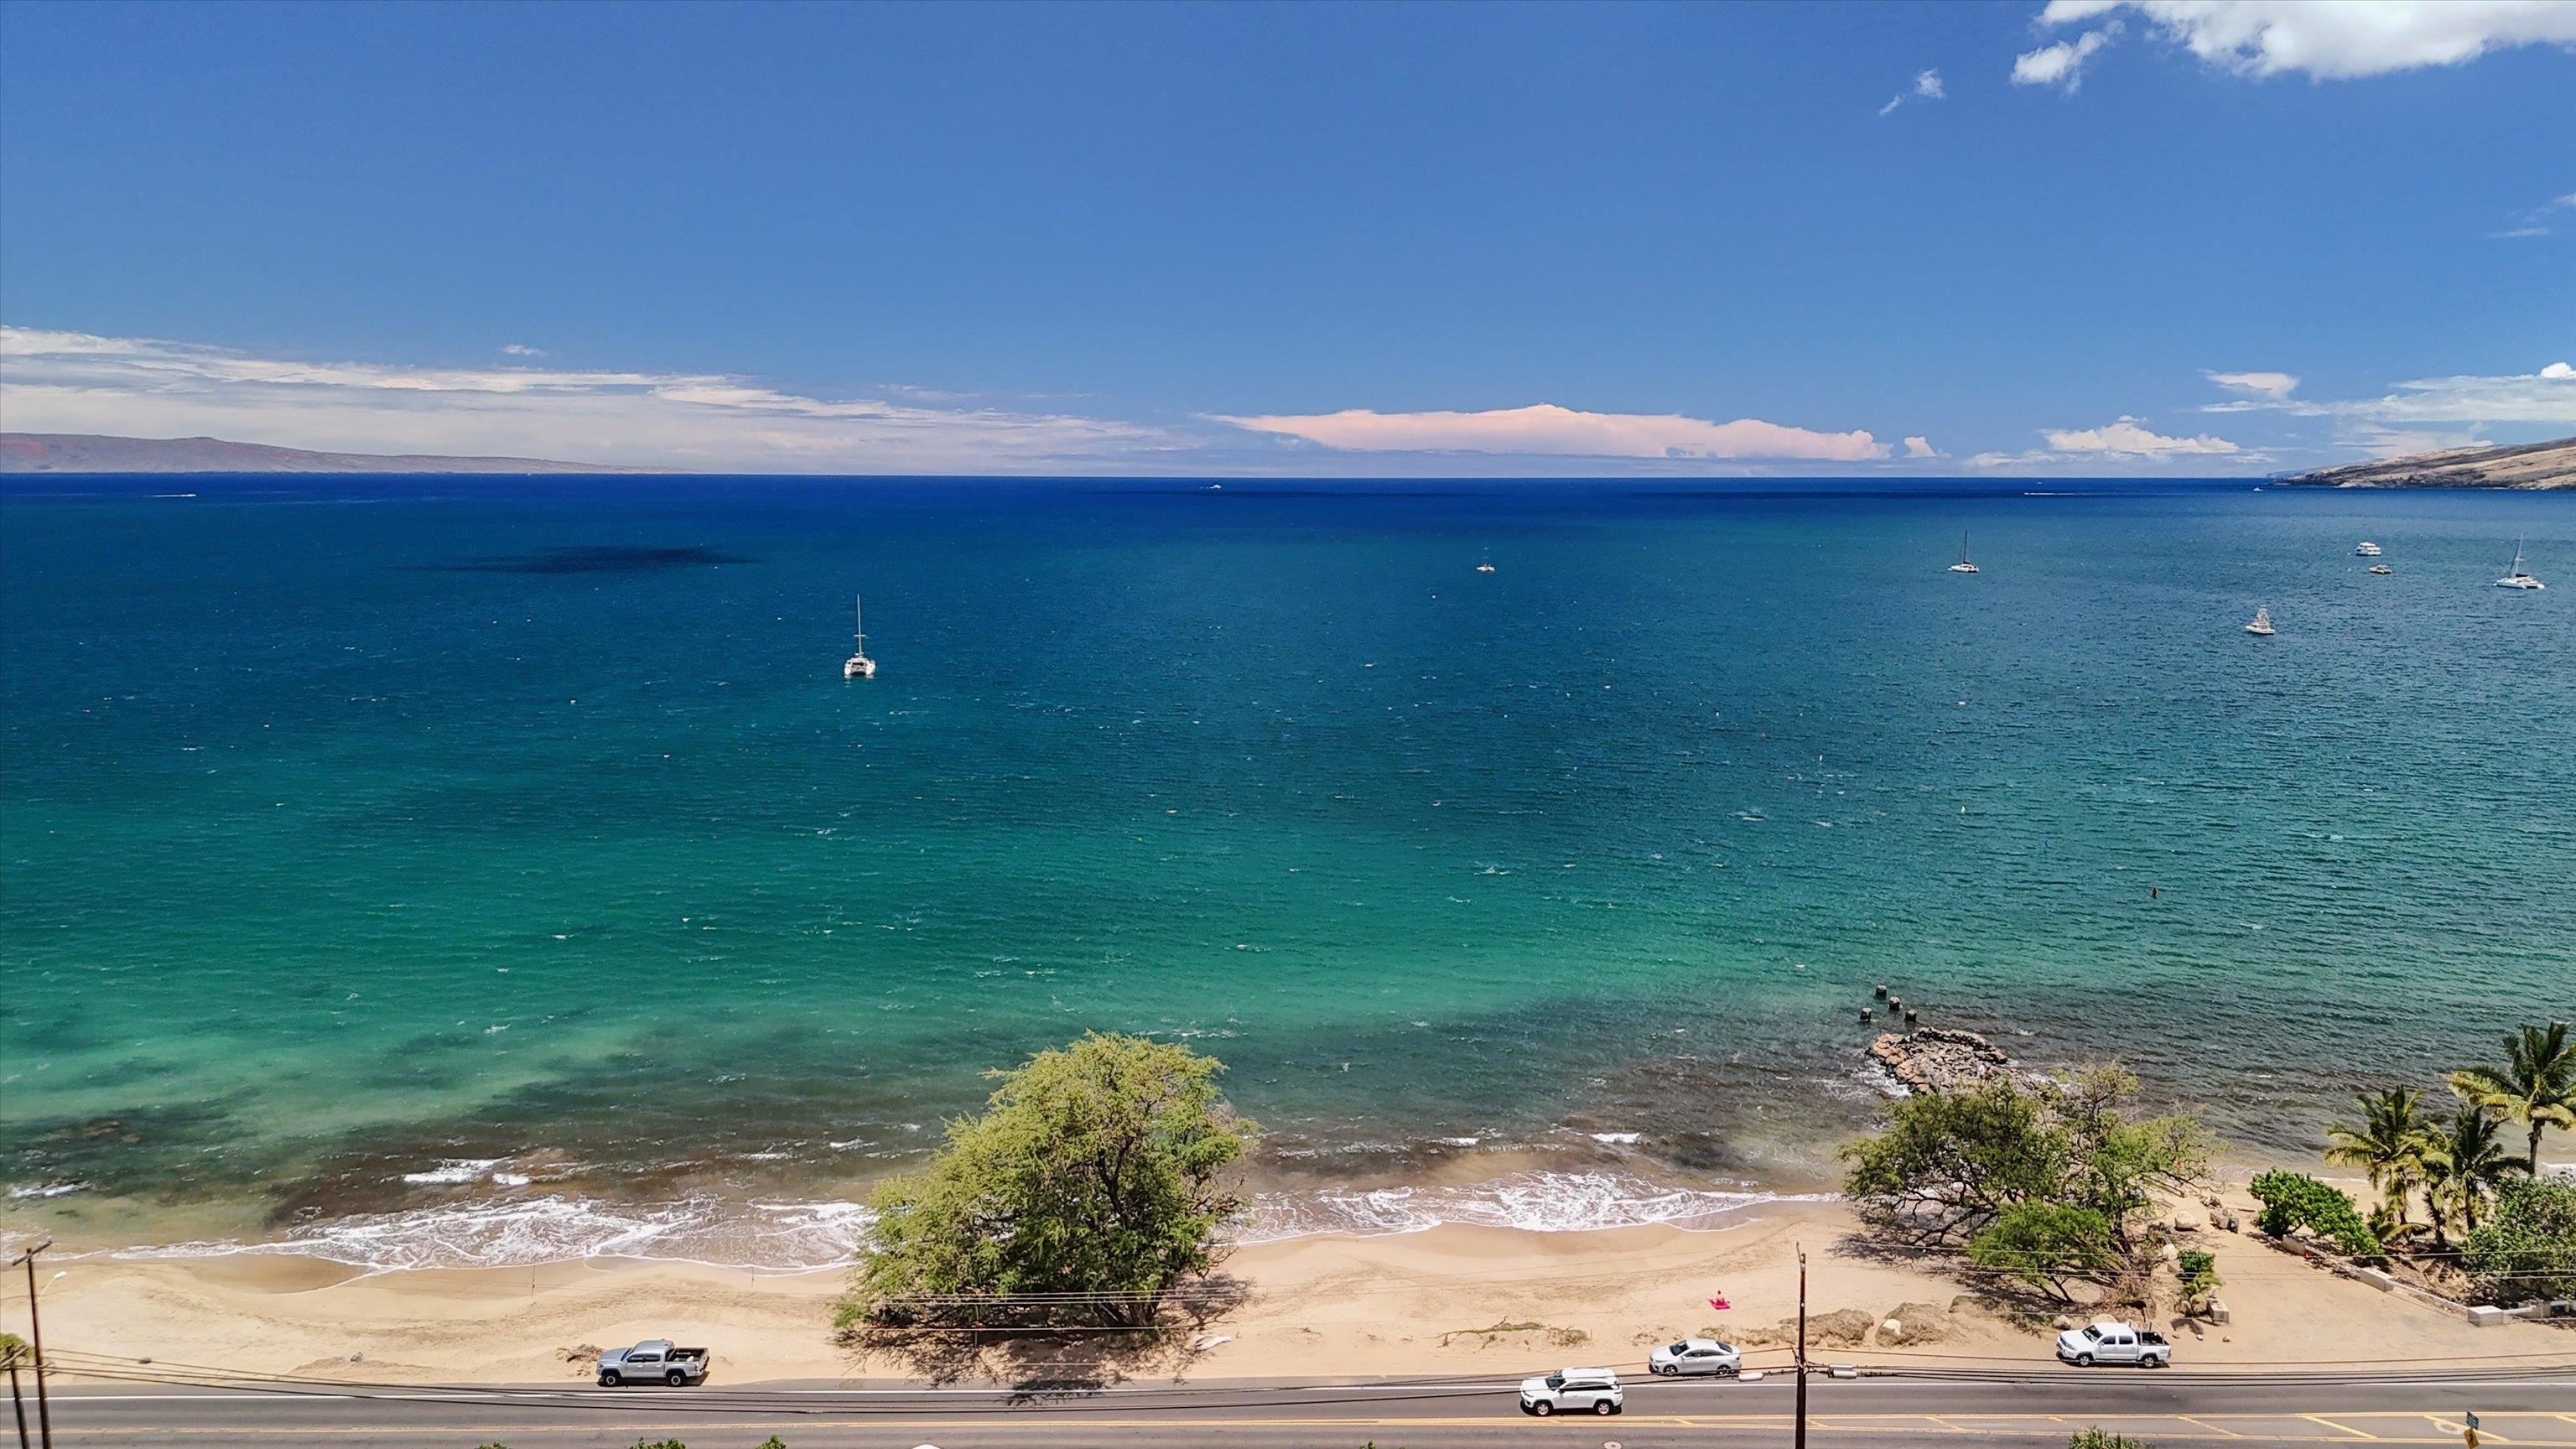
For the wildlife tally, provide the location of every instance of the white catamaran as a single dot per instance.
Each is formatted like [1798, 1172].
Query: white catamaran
[858, 665]
[2262, 624]
[2515, 578]
[1965, 565]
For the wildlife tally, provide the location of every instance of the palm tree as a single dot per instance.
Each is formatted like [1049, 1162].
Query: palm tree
[2388, 1144]
[2535, 1083]
[2463, 1161]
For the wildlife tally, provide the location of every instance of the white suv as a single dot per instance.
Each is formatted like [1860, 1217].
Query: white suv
[1572, 1391]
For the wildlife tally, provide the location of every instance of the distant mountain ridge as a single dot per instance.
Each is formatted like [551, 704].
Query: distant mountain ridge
[96, 453]
[2525, 465]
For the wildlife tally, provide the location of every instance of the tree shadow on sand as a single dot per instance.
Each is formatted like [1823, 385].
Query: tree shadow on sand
[1039, 1364]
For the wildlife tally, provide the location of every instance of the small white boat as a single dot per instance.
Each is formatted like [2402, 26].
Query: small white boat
[2262, 624]
[2381, 569]
[2515, 577]
[858, 665]
[1484, 568]
[1965, 565]
[2366, 549]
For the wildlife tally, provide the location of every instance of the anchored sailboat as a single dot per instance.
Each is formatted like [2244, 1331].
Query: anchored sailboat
[2515, 578]
[1964, 565]
[2262, 624]
[859, 665]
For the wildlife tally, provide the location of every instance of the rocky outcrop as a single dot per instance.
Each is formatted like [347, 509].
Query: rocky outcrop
[1935, 1059]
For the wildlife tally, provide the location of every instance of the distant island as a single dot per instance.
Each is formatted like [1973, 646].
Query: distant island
[94, 453]
[2525, 465]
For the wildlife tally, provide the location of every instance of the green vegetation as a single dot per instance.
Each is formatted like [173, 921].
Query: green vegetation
[2535, 1084]
[2528, 1249]
[2455, 1164]
[1949, 1166]
[2046, 1183]
[2049, 1246]
[2199, 1274]
[2294, 1200]
[11, 1344]
[1089, 1190]
[2105, 1439]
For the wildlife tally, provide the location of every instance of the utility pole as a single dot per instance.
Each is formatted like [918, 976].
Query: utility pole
[16, 1402]
[1799, 1442]
[36, 1331]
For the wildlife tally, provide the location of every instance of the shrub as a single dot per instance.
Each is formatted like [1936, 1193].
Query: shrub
[1092, 1185]
[2293, 1200]
[2105, 1439]
[2528, 1249]
[2199, 1273]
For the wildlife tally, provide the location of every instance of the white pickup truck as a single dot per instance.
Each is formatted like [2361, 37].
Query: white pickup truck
[2111, 1341]
[655, 1360]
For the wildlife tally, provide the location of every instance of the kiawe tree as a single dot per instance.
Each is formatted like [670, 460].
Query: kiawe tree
[1091, 1187]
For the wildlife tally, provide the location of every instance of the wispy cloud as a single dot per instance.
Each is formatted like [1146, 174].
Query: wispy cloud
[1546, 429]
[2321, 39]
[2274, 385]
[2062, 64]
[2536, 221]
[2546, 396]
[1927, 86]
[521, 349]
[72, 382]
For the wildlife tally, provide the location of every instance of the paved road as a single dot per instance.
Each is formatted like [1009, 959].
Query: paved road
[2164, 1408]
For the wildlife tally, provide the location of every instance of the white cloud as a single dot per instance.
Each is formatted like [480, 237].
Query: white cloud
[2545, 396]
[1546, 429]
[521, 349]
[1927, 86]
[1921, 448]
[2121, 445]
[71, 382]
[2275, 385]
[2127, 437]
[2061, 64]
[2333, 39]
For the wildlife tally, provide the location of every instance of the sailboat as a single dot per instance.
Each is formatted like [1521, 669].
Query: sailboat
[2262, 624]
[2515, 578]
[858, 665]
[1964, 565]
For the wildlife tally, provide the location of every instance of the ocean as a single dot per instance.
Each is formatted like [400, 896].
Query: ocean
[471, 869]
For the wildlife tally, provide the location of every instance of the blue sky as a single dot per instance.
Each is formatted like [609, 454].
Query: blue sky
[1425, 238]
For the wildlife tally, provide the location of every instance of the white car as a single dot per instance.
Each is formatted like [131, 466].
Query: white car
[1695, 1356]
[2111, 1341]
[1573, 1391]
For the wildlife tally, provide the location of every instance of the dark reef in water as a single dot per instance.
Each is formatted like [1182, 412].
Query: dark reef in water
[595, 559]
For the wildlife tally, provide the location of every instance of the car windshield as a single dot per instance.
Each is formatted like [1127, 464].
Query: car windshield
[1683, 1347]
[2091, 1332]
[1556, 1381]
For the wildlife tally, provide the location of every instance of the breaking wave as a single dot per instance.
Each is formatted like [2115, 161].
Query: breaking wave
[518, 1232]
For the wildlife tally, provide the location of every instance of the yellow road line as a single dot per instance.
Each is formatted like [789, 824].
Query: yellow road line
[2341, 1428]
[2213, 1428]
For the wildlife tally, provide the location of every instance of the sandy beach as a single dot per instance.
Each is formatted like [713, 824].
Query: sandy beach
[1452, 1300]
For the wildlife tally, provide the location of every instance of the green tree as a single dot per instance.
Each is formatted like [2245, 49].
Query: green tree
[2049, 1246]
[1948, 1165]
[2293, 1200]
[1091, 1187]
[2198, 1271]
[2535, 1084]
[2388, 1144]
[2528, 1248]
[2464, 1161]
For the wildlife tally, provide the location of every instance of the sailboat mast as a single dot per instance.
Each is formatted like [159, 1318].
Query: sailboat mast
[858, 623]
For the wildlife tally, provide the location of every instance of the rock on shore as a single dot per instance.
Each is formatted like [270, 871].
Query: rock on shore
[1934, 1059]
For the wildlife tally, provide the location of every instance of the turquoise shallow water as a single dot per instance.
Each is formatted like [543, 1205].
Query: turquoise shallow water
[353, 827]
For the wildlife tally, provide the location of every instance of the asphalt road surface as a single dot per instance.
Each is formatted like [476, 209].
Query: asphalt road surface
[2515, 1406]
